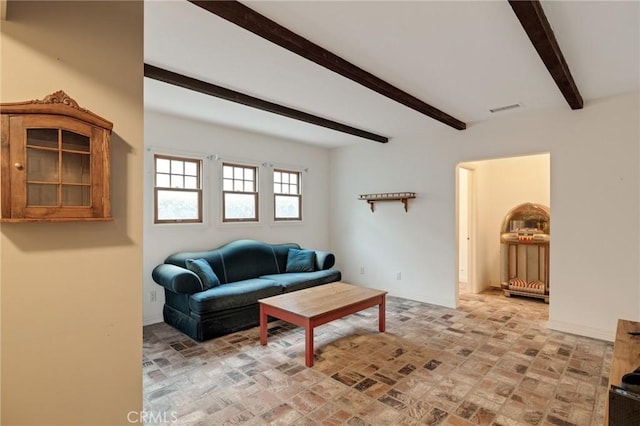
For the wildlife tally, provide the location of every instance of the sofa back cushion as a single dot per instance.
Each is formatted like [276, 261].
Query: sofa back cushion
[246, 259]
[301, 260]
[203, 270]
[240, 260]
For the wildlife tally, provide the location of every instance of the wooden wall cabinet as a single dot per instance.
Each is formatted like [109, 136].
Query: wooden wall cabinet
[54, 162]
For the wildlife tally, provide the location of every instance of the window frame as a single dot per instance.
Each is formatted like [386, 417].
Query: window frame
[297, 195]
[156, 189]
[255, 193]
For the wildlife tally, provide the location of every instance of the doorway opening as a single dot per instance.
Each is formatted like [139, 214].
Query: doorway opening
[485, 191]
[465, 260]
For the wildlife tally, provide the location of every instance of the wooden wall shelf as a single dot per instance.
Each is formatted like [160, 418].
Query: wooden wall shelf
[388, 196]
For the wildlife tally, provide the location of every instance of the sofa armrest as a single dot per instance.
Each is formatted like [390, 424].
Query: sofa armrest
[324, 260]
[177, 279]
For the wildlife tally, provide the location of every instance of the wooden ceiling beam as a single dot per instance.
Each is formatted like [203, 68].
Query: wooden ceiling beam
[537, 27]
[200, 86]
[243, 16]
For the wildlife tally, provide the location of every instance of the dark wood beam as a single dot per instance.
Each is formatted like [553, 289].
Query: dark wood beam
[537, 27]
[251, 20]
[190, 83]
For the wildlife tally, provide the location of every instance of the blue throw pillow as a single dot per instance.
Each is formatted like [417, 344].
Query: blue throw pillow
[203, 270]
[301, 260]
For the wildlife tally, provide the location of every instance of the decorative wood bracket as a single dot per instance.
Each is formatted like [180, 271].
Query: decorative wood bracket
[388, 196]
[57, 103]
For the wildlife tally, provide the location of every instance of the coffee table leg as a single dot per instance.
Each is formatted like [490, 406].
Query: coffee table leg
[263, 326]
[382, 315]
[308, 345]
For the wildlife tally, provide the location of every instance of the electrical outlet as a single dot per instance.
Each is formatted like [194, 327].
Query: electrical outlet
[153, 296]
[399, 276]
[362, 270]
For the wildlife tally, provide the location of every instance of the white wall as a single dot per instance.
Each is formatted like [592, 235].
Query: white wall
[595, 188]
[501, 185]
[166, 134]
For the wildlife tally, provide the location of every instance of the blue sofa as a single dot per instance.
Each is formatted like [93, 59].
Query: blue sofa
[215, 292]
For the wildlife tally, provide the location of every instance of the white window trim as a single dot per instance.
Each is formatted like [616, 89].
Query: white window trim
[259, 191]
[149, 196]
[300, 194]
[270, 196]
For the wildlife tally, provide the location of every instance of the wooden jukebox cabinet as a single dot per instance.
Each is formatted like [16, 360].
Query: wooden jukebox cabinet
[524, 241]
[54, 162]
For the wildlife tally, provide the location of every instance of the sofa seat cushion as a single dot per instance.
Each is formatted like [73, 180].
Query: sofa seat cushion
[292, 281]
[232, 295]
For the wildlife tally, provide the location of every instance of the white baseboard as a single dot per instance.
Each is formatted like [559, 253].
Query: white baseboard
[447, 303]
[595, 333]
[153, 319]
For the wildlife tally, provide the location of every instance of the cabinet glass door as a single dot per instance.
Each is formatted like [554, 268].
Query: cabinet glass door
[76, 169]
[42, 167]
[58, 168]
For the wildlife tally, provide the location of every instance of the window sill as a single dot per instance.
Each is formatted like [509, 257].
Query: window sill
[286, 223]
[240, 224]
[169, 225]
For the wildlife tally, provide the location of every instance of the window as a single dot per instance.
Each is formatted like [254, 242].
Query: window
[239, 193]
[287, 198]
[178, 190]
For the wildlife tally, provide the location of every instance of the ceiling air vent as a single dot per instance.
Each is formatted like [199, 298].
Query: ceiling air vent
[504, 108]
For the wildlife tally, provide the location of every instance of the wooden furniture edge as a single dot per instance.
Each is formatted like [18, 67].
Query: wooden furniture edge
[626, 356]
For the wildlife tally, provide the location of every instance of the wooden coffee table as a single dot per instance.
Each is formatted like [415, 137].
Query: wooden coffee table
[319, 305]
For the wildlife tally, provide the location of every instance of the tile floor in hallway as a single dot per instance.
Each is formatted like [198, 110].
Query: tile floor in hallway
[490, 362]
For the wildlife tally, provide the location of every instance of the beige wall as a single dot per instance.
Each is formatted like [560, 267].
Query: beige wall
[70, 293]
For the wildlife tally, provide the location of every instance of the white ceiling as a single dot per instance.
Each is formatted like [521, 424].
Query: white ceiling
[461, 57]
